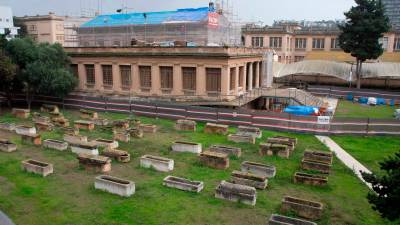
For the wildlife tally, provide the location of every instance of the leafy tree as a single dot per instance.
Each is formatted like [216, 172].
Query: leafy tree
[364, 26]
[386, 197]
[8, 71]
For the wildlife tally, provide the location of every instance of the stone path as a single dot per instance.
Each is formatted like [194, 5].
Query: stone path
[4, 220]
[345, 157]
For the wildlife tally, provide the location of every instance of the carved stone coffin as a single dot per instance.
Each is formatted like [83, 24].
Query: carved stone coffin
[318, 156]
[148, 128]
[26, 130]
[274, 149]
[55, 144]
[236, 193]
[183, 184]
[315, 165]
[259, 169]
[49, 108]
[214, 160]
[44, 126]
[182, 146]
[21, 113]
[186, 125]
[249, 179]
[121, 124]
[303, 208]
[7, 126]
[253, 131]
[242, 138]
[34, 139]
[37, 167]
[122, 136]
[118, 155]
[285, 220]
[87, 148]
[73, 138]
[135, 132]
[87, 114]
[310, 179]
[212, 128]
[114, 185]
[108, 144]
[7, 146]
[95, 163]
[158, 163]
[84, 124]
[231, 151]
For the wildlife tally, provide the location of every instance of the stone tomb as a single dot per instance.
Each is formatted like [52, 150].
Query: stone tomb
[84, 124]
[114, 185]
[37, 167]
[37, 118]
[249, 179]
[323, 157]
[7, 126]
[310, 179]
[87, 114]
[183, 184]
[182, 146]
[303, 208]
[214, 160]
[49, 108]
[186, 125]
[212, 128]
[315, 165]
[135, 132]
[108, 144]
[282, 141]
[44, 126]
[100, 122]
[7, 146]
[21, 113]
[88, 148]
[75, 138]
[60, 121]
[55, 144]
[276, 219]
[231, 151]
[236, 193]
[118, 155]
[242, 138]
[122, 136]
[121, 124]
[274, 149]
[34, 139]
[253, 131]
[23, 129]
[95, 163]
[258, 169]
[158, 163]
[70, 130]
[148, 128]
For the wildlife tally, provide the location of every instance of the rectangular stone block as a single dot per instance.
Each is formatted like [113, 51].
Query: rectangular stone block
[108, 144]
[60, 121]
[118, 155]
[37, 118]
[73, 138]
[87, 148]
[88, 114]
[101, 122]
[7, 126]
[239, 138]
[274, 149]
[158, 163]
[55, 144]
[323, 157]
[34, 139]
[148, 128]
[49, 108]
[134, 122]
[259, 169]
[122, 136]
[26, 130]
[183, 184]
[310, 179]
[182, 146]
[21, 113]
[303, 208]
[84, 124]
[7, 146]
[95, 163]
[121, 124]
[249, 179]
[135, 132]
[253, 131]
[44, 126]
[236, 193]
[282, 141]
[37, 167]
[214, 160]
[315, 165]
[186, 125]
[276, 219]
[70, 130]
[231, 151]
[114, 185]
[212, 128]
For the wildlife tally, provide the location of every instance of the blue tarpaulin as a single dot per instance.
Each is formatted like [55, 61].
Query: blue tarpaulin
[363, 100]
[301, 110]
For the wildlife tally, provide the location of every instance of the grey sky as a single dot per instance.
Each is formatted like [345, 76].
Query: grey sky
[248, 10]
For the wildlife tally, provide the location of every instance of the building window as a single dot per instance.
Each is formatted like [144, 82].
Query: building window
[335, 43]
[126, 80]
[117, 43]
[241, 76]
[384, 42]
[213, 79]
[166, 76]
[60, 37]
[232, 79]
[189, 78]
[145, 77]
[396, 46]
[59, 27]
[301, 43]
[107, 76]
[275, 42]
[257, 42]
[90, 76]
[32, 27]
[74, 70]
[318, 43]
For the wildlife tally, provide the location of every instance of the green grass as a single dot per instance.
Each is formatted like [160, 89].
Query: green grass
[369, 150]
[68, 195]
[356, 110]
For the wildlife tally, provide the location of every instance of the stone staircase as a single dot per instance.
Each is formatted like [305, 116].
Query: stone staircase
[300, 96]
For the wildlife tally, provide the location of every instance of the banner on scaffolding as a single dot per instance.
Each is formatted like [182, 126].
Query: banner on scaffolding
[213, 19]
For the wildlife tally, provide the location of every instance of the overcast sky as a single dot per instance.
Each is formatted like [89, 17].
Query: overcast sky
[248, 10]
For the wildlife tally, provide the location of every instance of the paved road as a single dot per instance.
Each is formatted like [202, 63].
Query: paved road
[345, 157]
[4, 220]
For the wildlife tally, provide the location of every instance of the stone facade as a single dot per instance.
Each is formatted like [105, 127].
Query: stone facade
[242, 138]
[95, 163]
[324, 157]
[118, 155]
[284, 220]
[231, 151]
[186, 125]
[249, 179]
[157, 163]
[87, 114]
[87, 148]
[21, 113]
[49, 108]
[75, 138]
[183, 184]
[310, 179]
[181, 146]
[214, 160]
[253, 131]
[303, 208]
[7, 146]
[212, 128]
[34, 139]
[25, 130]
[148, 128]
[258, 169]
[37, 167]
[84, 124]
[236, 193]
[274, 149]
[55, 144]
[115, 185]
[108, 144]
[316, 166]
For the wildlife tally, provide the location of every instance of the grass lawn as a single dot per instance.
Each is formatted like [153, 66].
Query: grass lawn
[356, 110]
[369, 150]
[68, 195]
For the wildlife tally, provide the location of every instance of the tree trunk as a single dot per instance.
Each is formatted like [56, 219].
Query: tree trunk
[358, 73]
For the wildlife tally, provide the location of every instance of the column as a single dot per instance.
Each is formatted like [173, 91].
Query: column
[244, 77]
[98, 77]
[257, 83]
[250, 77]
[225, 80]
[135, 78]
[81, 76]
[116, 77]
[236, 90]
[177, 80]
[155, 80]
[201, 80]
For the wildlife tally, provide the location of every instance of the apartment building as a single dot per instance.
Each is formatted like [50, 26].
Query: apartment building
[7, 22]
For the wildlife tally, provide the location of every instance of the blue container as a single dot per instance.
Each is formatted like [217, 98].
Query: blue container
[363, 100]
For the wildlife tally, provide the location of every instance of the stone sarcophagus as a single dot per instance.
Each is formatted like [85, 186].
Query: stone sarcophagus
[88, 148]
[276, 219]
[253, 131]
[186, 125]
[70, 130]
[148, 128]
[316, 166]
[55, 144]
[121, 124]
[21, 113]
[26, 130]
[75, 138]
[182, 146]
[84, 124]
[118, 155]
[270, 149]
[317, 156]
[214, 160]
[100, 122]
[108, 144]
[135, 132]
[95, 163]
[158, 163]
[44, 126]
[236, 193]
[37, 167]
[249, 179]
[231, 151]
[303, 208]
[37, 118]
[34, 139]
[290, 142]
[88, 114]
[7, 126]
[122, 136]
[114, 185]
[7, 146]
[310, 179]
[258, 169]
[212, 128]
[49, 108]
[60, 121]
[242, 138]
[183, 184]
